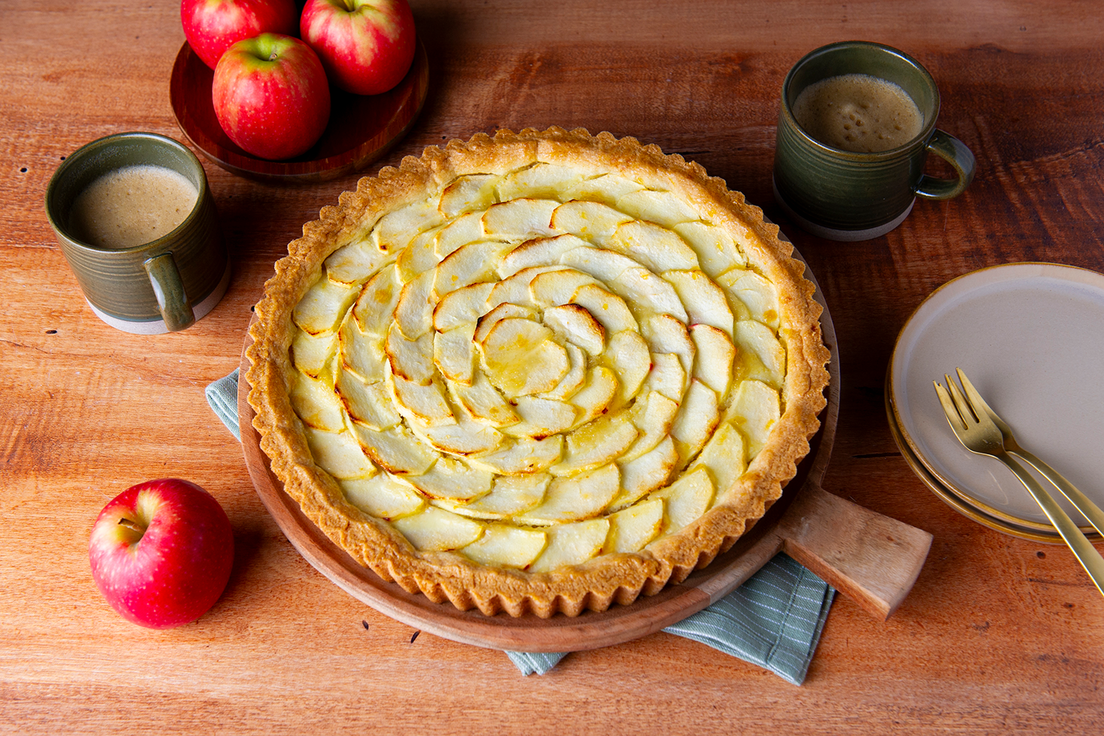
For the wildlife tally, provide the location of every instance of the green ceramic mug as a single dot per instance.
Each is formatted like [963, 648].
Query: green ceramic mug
[847, 195]
[162, 285]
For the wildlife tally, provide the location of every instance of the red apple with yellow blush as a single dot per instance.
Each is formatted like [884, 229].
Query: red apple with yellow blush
[161, 552]
[366, 46]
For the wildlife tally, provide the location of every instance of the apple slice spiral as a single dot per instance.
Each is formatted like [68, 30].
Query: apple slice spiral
[539, 365]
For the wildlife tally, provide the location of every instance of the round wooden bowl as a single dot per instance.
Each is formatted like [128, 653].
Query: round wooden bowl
[361, 129]
[590, 630]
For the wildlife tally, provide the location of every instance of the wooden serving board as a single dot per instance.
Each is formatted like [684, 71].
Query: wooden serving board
[869, 557]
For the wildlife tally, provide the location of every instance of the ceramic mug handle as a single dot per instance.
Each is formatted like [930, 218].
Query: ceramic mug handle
[169, 290]
[954, 152]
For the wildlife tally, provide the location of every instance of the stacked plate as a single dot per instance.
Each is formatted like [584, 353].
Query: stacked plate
[1030, 336]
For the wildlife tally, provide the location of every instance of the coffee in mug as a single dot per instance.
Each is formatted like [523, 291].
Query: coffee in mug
[856, 123]
[858, 112]
[136, 221]
[131, 206]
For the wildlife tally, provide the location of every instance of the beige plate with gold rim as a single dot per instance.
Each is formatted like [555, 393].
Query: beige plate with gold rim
[1028, 335]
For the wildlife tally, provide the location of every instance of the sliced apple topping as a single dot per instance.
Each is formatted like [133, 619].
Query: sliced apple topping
[436, 530]
[541, 418]
[466, 437]
[596, 397]
[759, 341]
[339, 454]
[705, 302]
[417, 257]
[458, 233]
[311, 354]
[361, 354]
[409, 359]
[353, 263]
[484, 404]
[595, 444]
[646, 473]
[697, 418]
[315, 402]
[394, 230]
[579, 497]
[653, 415]
[369, 404]
[755, 409]
[554, 288]
[647, 294]
[522, 456]
[632, 528]
[687, 499]
[507, 546]
[522, 358]
[756, 293]
[725, 457]
[662, 208]
[324, 306]
[628, 357]
[607, 308]
[576, 325]
[396, 449]
[539, 366]
[665, 334]
[511, 495]
[461, 307]
[715, 355]
[655, 248]
[603, 265]
[382, 497]
[667, 376]
[519, 219]
[574, 379]
[454, 354]
[572, 544]
[538, 252]
[606, 189]
[452, 479]
[377, 301]
[467, 193]
[588, 220]
[413, 313]
[716, 250]
[424, 404]
[468, 264]
[543, 180]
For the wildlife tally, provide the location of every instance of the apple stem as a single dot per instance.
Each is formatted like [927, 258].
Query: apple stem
[132, 525]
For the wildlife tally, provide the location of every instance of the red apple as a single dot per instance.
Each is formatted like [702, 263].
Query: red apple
[367, 46]
[212, 26]
[161, 552]
[271, 96]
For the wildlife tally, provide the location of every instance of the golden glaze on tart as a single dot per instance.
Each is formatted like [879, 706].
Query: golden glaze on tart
[540, 372]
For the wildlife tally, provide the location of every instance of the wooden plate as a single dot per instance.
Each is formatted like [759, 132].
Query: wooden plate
[867, 556]
[361, 128]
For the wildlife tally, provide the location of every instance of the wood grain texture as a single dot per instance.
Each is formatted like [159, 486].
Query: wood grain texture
[997, 635]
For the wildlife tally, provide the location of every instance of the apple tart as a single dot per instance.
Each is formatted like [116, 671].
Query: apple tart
[537, 372]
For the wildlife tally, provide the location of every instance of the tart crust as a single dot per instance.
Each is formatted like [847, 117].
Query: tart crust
[607, 578]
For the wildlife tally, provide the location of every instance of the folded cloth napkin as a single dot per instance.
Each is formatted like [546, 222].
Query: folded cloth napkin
[773, 620]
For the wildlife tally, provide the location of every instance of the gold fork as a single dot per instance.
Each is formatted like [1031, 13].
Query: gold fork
[980, 434]
[1081, 502]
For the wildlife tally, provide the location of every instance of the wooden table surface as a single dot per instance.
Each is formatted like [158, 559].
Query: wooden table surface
[998, 635]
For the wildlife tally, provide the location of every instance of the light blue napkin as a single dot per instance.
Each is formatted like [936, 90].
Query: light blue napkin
[773, 620]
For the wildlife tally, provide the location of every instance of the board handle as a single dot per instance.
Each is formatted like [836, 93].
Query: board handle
[867, 556]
